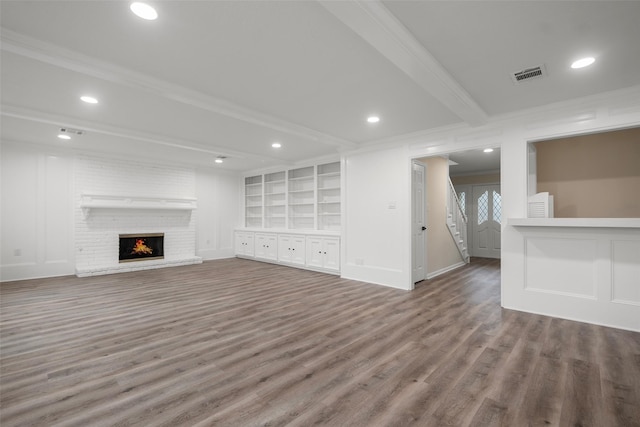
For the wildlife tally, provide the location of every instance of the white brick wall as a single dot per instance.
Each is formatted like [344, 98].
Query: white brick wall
[96, 233]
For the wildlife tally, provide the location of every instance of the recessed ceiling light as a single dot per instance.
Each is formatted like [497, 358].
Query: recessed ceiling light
[276, 145]
[144, 11]
[488, 150]
[583, 62]
[219, 160]
[63, 136]
[89, 99]
[373, 119]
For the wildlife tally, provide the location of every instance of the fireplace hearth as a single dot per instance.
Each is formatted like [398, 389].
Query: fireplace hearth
[141, 247]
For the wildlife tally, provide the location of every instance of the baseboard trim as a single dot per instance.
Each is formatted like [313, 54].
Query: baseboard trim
[445, 270]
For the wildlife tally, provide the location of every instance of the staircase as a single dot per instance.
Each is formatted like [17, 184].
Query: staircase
[457, 222]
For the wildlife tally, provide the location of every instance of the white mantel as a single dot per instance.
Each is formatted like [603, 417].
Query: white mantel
[90, 202]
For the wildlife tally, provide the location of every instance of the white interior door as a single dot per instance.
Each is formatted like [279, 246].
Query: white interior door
[487, 216]
[418, 222]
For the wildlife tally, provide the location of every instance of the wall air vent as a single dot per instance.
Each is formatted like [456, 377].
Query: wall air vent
[72, 131]
[529, 74]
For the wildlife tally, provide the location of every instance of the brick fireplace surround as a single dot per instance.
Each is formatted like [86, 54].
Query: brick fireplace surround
[116, 197]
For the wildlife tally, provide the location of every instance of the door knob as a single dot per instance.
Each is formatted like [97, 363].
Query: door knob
[424, 228]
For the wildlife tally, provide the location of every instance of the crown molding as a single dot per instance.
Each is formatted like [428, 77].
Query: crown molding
[372, 21]
[58, 56]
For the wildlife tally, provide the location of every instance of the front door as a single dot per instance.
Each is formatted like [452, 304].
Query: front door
[487, 216]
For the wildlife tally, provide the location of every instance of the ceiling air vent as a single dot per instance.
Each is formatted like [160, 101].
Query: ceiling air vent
[529, 74]
[71, 131]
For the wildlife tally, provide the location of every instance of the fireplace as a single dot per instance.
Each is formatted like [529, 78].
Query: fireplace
[141, 247]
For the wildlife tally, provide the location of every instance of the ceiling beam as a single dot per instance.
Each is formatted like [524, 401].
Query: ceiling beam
[128, 134]
[64, 58]
[372, 21]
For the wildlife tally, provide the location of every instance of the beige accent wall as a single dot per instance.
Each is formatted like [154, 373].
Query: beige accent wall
[592, 176]
[491, 178]
[441, 249]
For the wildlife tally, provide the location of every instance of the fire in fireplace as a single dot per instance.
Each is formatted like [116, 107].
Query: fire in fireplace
[139, 247]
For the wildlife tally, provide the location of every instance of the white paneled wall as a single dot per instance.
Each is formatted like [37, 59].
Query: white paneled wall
[219, 197]
[561, 265]
[625, 272]
[582, 273]
[45, 232]
[375, 234]
[37, 225]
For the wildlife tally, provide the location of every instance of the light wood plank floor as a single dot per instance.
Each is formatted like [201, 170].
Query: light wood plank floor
[241, 343]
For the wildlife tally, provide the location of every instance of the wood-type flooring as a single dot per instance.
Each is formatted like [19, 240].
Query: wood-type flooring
[242, 343]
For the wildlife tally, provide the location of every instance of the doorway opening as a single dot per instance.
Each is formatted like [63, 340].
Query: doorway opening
[474, 175]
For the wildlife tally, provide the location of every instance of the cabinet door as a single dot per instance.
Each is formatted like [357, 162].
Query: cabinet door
[284, 248]
[297, 250]
[291, 249]
[266, 246]
[272, 247]
[239, 243]
[331, 254]
[249, 246]
[244, 243]
[314, 252]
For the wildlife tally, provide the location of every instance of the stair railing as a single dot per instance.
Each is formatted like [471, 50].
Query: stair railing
[457, 221]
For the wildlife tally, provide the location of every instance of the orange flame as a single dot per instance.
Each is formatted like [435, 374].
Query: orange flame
[141, 249]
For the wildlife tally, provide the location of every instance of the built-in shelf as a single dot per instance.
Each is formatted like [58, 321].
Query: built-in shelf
[576, 222]
[328, 196]
[306, 198]
[89, 202]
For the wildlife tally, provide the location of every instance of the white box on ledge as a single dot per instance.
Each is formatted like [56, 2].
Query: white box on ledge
[540, 206]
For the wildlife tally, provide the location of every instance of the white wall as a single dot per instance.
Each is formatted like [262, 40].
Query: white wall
[218, 196]
[41, 216]
[382, 239]
[377, 203]
[37, 213]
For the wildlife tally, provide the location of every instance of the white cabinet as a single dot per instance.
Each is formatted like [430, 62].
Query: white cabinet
[323, 253]
[266, 246]
[296, 249]
[244, 243]
[291, 249]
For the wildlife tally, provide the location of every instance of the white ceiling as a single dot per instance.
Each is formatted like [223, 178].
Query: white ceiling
[471, 162]
[211, 78]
